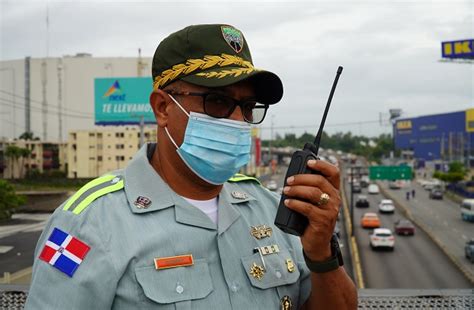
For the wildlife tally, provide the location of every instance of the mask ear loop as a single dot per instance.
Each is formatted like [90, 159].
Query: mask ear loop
[171, 139]
[177, 103]
[166, 128]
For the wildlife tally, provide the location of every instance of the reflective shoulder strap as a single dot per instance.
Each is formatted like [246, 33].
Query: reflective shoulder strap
[242, 177]
[93, 190]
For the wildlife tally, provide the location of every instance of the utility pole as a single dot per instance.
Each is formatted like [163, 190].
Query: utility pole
[60, 99]
[271, 139]
[44, 104]
[27, 95]
[140, 63]
[44, 74]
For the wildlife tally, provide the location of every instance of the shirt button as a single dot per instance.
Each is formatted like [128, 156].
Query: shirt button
[179, 289]
[234, 287]
[278, 274]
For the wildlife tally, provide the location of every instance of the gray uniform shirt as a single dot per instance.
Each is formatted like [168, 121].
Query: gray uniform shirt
[125, 237]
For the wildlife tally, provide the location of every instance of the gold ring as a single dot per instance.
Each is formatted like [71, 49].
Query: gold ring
[324, 199]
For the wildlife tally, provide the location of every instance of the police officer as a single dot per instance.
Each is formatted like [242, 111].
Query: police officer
[178, 228]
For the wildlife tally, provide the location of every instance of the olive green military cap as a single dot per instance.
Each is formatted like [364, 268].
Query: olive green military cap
[212, 56]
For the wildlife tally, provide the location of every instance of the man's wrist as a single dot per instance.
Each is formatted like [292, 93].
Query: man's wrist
[319, 256]
[329, 262]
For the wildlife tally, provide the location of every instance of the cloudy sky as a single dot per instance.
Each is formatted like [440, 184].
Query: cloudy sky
[390, 50]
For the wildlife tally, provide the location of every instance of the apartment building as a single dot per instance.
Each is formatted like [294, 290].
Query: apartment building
[31, 156]
[91, 153]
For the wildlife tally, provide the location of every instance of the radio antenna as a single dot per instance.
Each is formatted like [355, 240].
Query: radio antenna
[317, 140]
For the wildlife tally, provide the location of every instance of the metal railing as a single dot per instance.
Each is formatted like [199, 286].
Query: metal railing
[14, 297]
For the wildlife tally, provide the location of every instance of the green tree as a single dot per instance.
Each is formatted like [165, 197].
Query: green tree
[456, 173]
[28, 135]
[13, 152]
[9, 200]
[24, 153]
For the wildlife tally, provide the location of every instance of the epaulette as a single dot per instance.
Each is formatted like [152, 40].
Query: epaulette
[242, 177]
[93, 190]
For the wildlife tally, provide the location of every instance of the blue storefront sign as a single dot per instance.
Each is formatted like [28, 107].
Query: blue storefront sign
[463, 49]
[122, 101]
[436, 136]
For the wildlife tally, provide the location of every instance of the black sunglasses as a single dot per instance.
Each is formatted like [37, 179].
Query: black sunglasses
[221, 106]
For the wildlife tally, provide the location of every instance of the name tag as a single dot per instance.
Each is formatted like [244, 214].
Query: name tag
[174, 261]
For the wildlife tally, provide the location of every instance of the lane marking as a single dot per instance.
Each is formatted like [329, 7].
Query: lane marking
[5, 248]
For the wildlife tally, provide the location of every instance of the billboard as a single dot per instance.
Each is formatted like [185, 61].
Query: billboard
[461, 49]
[436, 136]
[121, 101]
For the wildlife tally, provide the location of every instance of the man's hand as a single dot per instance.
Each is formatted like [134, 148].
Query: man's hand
[305, 191]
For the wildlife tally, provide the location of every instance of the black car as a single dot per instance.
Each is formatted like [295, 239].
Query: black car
[356, 188]
[362, 202]
[436, 194]
[469, 250]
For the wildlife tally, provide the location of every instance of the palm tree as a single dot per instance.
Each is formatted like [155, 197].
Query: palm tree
[13, 152]
[24, 153]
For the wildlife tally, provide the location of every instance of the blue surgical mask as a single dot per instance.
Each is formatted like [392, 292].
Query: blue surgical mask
[213, 148]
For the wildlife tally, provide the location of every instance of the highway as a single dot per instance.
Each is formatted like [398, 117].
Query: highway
[415, 263]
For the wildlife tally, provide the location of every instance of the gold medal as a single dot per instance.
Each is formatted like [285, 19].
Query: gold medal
[286, 303]
[261, 231]
[257, 271]
[290, 265]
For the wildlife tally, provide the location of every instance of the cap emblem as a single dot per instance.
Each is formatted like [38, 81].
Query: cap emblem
[233, 37]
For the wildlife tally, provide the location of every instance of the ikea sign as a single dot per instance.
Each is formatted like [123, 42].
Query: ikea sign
[122, 101]
[462, 49]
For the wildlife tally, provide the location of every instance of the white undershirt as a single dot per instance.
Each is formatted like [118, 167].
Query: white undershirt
[209, 207]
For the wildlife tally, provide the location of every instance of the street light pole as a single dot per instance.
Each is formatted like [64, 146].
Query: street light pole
[352, 200]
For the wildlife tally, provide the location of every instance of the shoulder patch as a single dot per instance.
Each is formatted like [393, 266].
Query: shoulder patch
[242, 178]
[93, 190]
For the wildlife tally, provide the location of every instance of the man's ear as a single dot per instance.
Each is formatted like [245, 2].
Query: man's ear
[159, 104]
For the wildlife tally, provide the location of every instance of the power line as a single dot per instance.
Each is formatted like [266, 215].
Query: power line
[327, 125]
[8, 103]
[39, 102]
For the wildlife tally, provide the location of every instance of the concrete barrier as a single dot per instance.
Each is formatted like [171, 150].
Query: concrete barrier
[353, 248]
[42, 201]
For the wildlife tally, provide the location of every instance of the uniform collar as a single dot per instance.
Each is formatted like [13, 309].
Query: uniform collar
[142, 180]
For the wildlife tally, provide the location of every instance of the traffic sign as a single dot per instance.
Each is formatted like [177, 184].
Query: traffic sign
[390, 173]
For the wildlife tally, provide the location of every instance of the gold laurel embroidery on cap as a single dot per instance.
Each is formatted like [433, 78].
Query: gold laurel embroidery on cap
[221, 74]
[207, 62]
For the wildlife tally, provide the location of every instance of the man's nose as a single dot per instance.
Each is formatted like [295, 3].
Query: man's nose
[237, 114]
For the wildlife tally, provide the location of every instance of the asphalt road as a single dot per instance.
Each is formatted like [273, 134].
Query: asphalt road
[416, 262]
[21, 255]
[442, 218]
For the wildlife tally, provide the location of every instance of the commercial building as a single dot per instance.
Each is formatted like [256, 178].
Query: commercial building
[444, 137]
[91, 153]
[40, 157]
[51, 96]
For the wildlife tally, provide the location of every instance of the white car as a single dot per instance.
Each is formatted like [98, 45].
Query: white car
[373, 189]
[386, 206]
[382, 238]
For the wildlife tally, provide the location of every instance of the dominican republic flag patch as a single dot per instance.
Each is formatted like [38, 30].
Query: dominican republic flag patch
[64, 251]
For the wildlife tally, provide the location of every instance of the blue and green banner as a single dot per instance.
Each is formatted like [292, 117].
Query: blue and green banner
[122, 101]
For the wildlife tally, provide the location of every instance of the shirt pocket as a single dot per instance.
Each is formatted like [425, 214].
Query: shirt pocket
[277, 275]
[176, 285]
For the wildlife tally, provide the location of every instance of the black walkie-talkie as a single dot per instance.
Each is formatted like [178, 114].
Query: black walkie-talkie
[286, 219]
